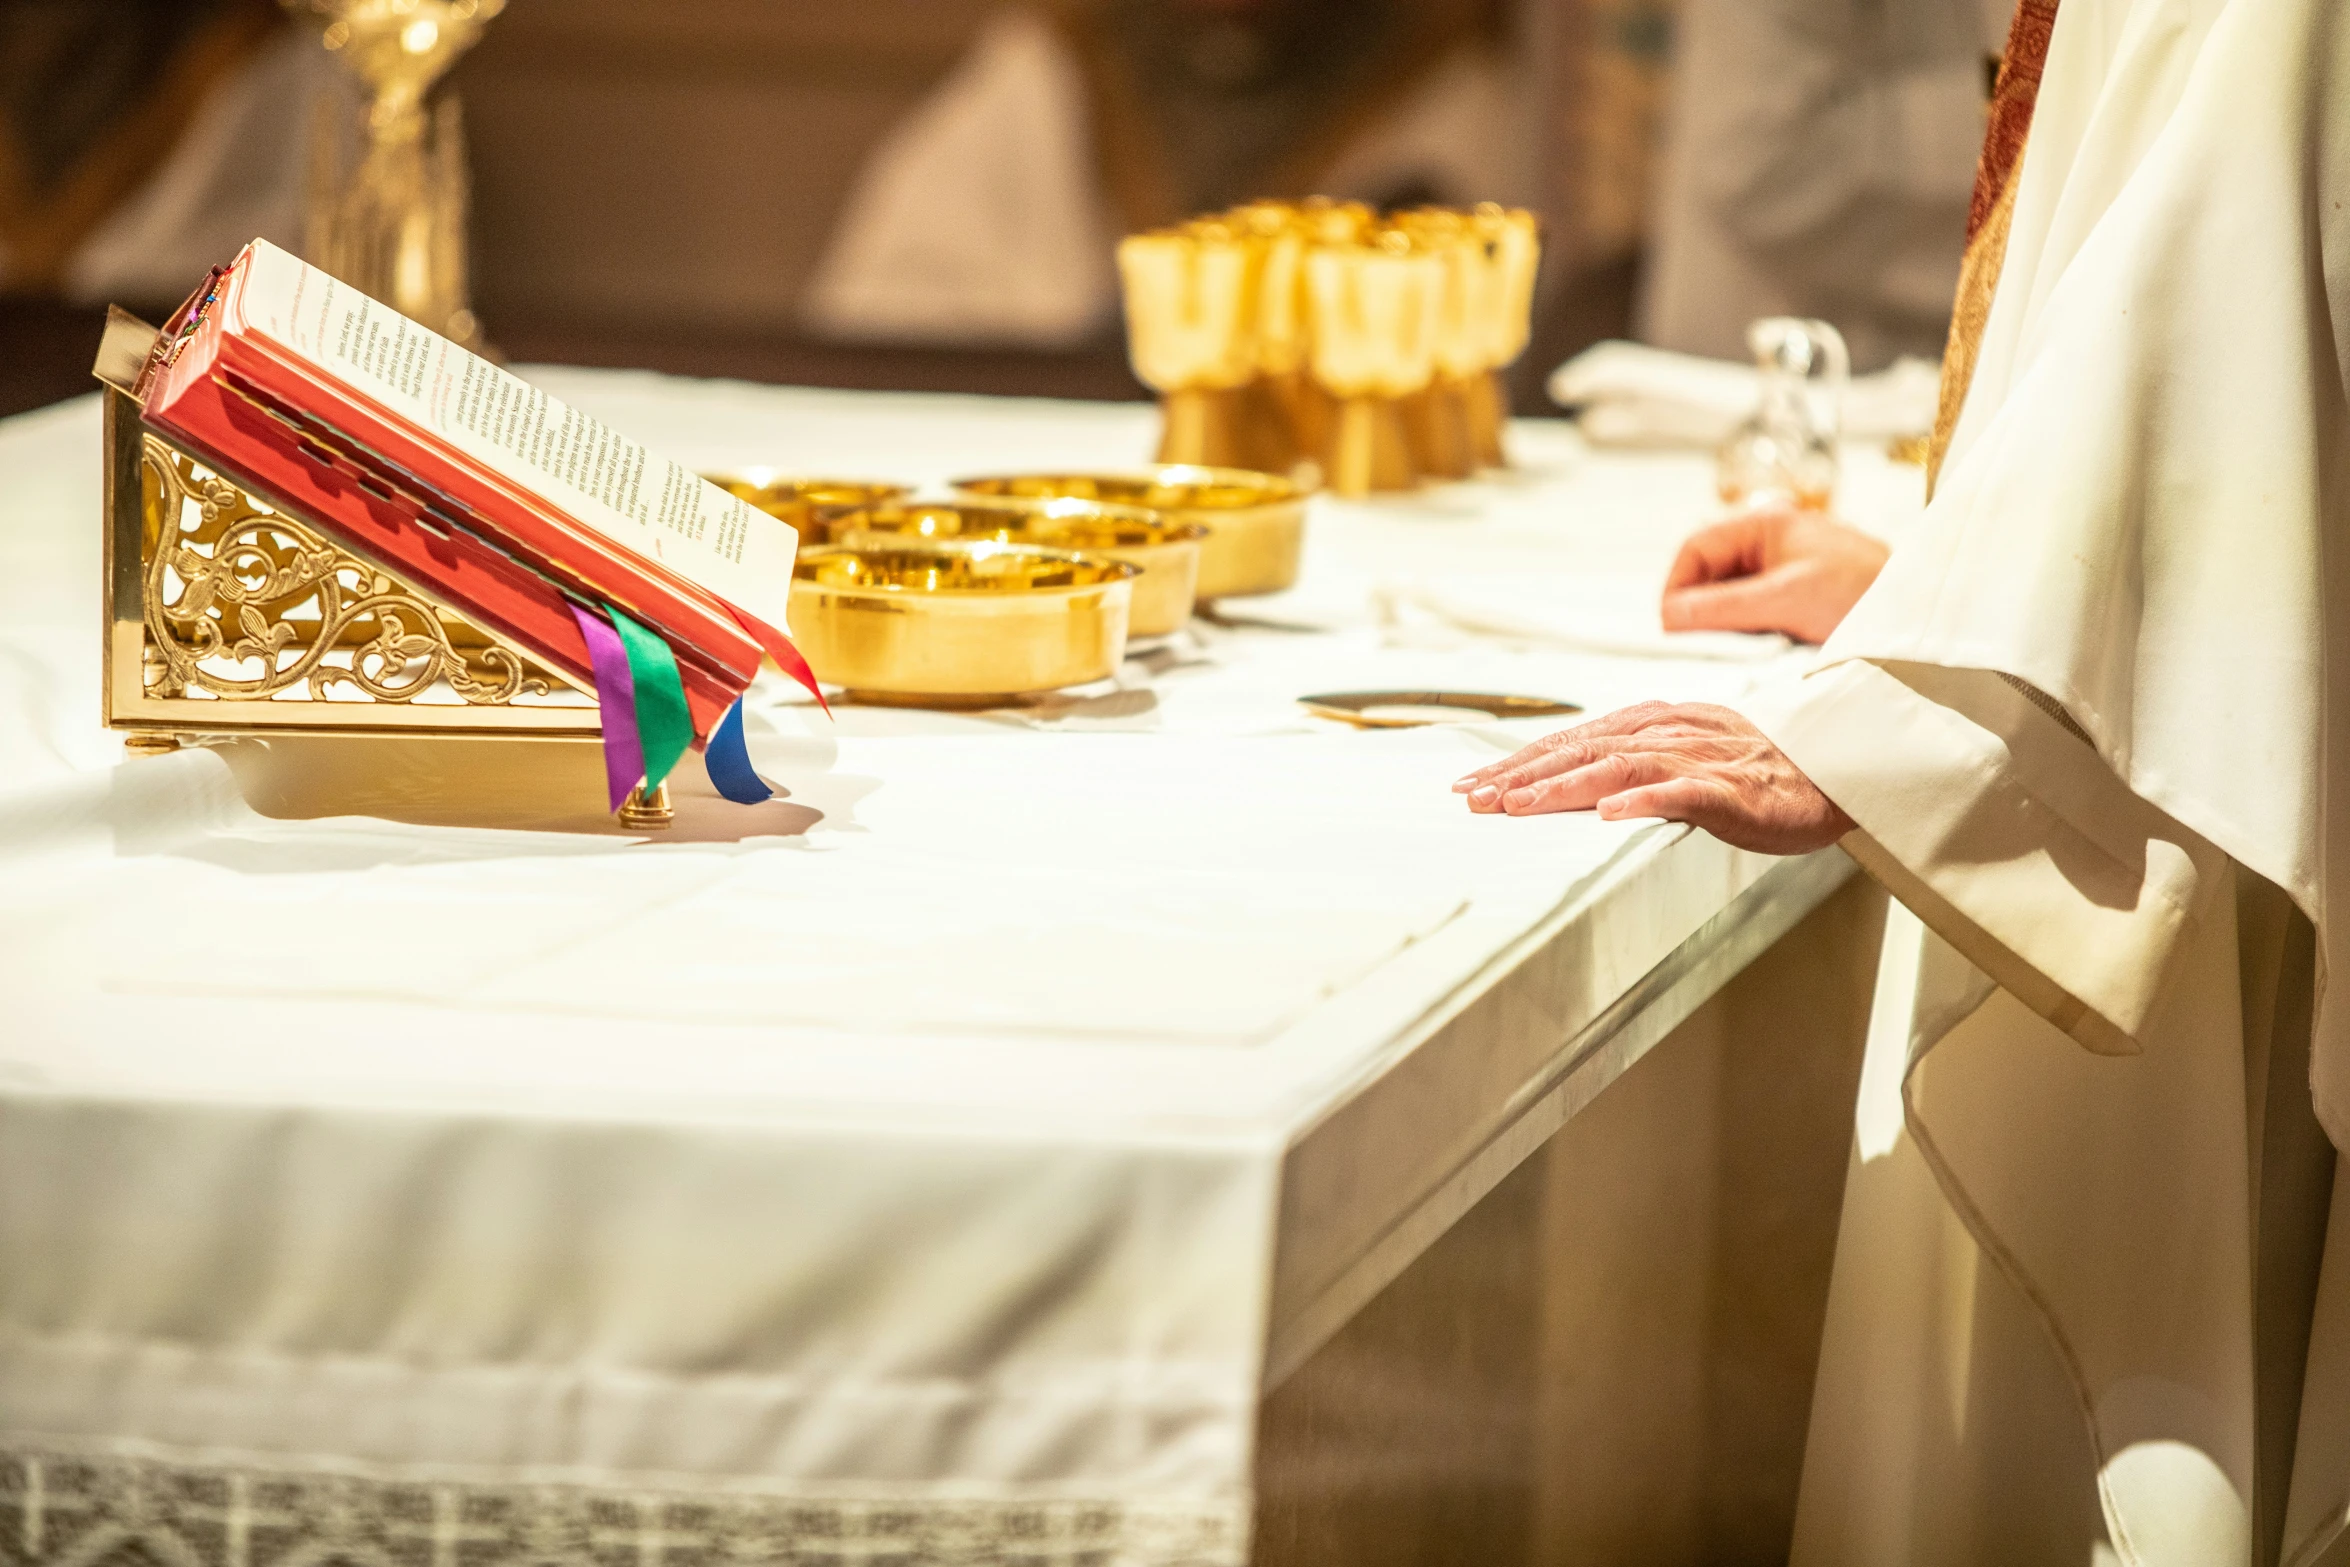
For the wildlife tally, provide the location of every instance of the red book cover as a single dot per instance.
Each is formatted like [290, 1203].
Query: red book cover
[466, 481]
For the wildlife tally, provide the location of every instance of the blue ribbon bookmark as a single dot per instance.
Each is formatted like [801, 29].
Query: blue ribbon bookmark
[729, 760]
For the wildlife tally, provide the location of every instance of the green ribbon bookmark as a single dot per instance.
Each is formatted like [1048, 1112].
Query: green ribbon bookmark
[663, 724]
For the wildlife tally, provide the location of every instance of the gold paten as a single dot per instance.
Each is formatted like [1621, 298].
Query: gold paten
[227, 616]
[1413, 709]
[808, 505]
[916, 622]
[1165, 550]
[1256, 522]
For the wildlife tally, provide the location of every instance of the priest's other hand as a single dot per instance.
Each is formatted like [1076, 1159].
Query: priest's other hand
[1693, 763]
[1772, 569]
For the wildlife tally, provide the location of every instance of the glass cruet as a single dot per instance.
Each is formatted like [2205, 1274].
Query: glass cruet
[1786, 449]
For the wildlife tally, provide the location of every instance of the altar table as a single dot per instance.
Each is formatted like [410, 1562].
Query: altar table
[941, 1162]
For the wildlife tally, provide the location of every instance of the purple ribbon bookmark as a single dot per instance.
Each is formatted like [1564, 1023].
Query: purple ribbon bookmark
[624, 751]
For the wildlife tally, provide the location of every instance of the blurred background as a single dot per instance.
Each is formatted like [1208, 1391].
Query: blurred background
[925, 194]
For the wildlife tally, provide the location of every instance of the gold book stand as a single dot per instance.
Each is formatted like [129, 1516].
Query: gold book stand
[228, 617]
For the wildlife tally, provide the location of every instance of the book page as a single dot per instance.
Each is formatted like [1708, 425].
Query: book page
[581, 466]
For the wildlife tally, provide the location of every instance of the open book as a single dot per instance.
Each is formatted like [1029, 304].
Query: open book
[479, 489]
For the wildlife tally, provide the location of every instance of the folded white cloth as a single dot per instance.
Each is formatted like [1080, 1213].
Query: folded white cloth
[1572, 611]
[1634, 395]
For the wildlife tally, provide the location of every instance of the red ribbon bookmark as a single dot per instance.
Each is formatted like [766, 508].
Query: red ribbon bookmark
[778, 647]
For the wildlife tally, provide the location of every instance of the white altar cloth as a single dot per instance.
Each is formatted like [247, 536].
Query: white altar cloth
[936, 1160]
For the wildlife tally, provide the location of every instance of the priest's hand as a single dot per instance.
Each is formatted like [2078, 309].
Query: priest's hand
[1694, 763]
[1773, 569]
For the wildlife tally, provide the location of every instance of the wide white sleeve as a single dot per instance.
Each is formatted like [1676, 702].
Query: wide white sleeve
[2006, 834]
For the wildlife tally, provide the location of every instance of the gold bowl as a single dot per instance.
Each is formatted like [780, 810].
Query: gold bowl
[1256, 522]
[1166, 550]
[809, 505]
[958, 623]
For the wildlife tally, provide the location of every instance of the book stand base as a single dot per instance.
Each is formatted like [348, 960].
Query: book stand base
[227, 616]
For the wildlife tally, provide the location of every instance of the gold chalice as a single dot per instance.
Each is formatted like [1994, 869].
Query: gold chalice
[1375, 316]
[1190, 303]
[388, 215]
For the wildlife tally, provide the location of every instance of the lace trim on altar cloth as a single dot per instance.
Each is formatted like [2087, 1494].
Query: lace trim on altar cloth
[61, 1507]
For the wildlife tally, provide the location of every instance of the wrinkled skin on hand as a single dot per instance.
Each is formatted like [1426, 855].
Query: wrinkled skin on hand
[1693, 763]
[1774, 569]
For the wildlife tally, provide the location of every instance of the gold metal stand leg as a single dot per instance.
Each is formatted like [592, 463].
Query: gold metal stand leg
[148, 742]
[642, 812]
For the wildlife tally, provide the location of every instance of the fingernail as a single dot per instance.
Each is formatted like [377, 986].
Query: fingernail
[1485, 796]
[1464, 785]
[1516, 798]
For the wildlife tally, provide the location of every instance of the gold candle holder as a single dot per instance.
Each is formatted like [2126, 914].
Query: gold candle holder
[389, 197]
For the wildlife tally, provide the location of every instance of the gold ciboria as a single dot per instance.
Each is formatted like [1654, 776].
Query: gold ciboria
[1283, 333]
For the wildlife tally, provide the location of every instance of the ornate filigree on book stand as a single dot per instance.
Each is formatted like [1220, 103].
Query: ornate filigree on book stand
[305, 617]
[226, 616]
